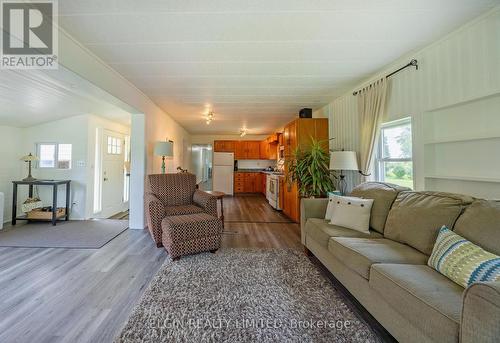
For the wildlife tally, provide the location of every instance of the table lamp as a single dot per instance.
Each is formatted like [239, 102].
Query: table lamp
[343, 160]
[29, 158]
[164, 149]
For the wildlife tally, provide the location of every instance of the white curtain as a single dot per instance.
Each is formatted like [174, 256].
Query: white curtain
[371, 109]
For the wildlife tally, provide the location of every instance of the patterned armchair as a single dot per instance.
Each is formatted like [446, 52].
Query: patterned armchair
[172, 195]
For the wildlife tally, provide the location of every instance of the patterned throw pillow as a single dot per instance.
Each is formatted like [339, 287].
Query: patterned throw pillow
[461, 261]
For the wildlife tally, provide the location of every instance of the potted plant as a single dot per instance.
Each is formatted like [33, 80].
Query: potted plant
[309, 167]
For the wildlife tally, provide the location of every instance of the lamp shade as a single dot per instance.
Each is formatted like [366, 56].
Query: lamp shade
[28, 158]
[164, 149]
[343, 160]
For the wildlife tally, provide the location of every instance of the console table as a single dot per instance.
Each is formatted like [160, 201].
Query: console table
[54, 184]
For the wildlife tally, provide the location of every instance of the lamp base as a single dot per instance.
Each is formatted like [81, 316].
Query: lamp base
[163, 165]
[29, 178]
[342, 184]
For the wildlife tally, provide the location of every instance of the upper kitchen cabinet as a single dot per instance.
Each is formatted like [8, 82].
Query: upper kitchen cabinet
[253, 150]
[299, 133]
[247, 150]
[224, 146]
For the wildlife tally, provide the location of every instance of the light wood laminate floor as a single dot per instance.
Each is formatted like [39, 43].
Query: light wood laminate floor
[86, 295]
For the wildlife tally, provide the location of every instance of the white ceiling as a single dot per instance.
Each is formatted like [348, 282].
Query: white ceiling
[256, 63]
[30, 97]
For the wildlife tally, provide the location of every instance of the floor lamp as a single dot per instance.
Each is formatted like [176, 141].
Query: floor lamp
[341, 161]
[164, 149]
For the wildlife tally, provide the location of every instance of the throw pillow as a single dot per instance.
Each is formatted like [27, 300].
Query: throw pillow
[352, 213]
[332, 204]
[462, 261]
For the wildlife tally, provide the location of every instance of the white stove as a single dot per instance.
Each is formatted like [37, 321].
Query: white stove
[273, 190]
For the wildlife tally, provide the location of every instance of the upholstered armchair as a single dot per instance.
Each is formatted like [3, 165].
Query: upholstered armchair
[173, 195]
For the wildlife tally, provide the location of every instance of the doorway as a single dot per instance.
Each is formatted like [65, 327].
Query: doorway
[202, 165]
[112, 175]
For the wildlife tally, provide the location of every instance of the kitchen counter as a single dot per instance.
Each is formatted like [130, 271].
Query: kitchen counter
[257, 171]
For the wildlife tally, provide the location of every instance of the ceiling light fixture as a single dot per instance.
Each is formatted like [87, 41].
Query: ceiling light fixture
[210, 117]
[243, 132]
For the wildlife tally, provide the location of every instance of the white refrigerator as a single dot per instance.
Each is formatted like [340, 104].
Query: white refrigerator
[223, 172]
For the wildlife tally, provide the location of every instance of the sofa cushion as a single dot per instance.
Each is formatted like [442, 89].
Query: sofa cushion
[462, 261]
[189, 227]
[416, 217]
[426, 298]
[321, 231]
[480, 224]
[182, 210]
[358, 254]
[383, 195]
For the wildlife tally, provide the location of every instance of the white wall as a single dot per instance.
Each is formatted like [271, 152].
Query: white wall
[11, 167]
[461, 67]
[256, 164]
[80, 132]
[67, 131]
[158, 124]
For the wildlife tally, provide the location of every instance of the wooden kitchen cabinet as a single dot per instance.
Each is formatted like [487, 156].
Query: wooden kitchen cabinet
[281, 191]
[263, 183]
[247, 182]
[247, 150]
[224, 146]
[258, 182]
[264, 150]
[253, 150]
[269, 147]
[239, 150]
[239, 182]
[298, 133]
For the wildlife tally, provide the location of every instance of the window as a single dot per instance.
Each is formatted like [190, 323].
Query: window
[394, 157]
[54, 155]
[114, 146]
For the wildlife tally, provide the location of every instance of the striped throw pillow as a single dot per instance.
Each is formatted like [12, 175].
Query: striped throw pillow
[461, 261]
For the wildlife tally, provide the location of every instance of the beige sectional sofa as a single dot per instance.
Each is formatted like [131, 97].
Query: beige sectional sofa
[387, 270]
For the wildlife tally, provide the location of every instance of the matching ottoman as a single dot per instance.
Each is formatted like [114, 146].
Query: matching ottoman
[191, 233]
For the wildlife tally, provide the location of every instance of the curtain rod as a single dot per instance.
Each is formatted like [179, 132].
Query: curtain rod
[412, 63]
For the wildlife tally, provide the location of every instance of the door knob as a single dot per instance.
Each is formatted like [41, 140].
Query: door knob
[105, 179]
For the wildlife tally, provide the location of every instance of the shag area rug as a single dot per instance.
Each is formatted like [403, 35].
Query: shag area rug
[243, 295]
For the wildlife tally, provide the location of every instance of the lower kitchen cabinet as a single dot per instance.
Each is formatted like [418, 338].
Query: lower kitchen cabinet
[248, 182]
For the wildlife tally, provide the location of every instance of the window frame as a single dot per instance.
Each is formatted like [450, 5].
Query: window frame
[56, 155]
[380, 161]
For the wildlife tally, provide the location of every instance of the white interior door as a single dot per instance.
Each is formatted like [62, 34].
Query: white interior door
[113, 159]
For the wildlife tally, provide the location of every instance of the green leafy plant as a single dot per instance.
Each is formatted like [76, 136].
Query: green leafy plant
[309, 167]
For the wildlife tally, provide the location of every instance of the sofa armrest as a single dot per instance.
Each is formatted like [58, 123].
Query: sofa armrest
[481, 313]
[155, 212]
[311, 208]
[206, 201]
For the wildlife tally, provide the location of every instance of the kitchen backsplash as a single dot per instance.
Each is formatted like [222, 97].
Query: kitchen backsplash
[256, 164]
